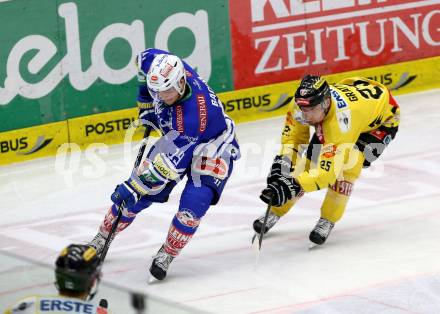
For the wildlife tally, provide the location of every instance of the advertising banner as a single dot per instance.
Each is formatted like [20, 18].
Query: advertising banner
[108, 128]
[31, 143]
[281, 40]
[65, 59]
[242, 106]
[273, 100]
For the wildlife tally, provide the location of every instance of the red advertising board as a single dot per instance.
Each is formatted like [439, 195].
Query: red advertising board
[281, 40]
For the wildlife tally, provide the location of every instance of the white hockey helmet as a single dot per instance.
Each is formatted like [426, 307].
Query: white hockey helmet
[165, 72]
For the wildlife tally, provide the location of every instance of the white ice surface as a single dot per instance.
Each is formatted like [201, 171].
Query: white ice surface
[382, 257]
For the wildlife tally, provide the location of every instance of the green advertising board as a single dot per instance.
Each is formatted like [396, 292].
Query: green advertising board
[64, 59]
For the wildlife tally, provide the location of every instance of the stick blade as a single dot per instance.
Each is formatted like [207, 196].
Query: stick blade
[256, 248]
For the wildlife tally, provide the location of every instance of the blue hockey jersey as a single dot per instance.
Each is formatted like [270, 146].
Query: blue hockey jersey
[197, 135]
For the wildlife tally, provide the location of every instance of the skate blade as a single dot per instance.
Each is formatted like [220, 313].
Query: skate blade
[313, 246]
[151, 279]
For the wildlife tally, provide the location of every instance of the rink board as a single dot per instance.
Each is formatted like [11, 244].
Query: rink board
[30, 143]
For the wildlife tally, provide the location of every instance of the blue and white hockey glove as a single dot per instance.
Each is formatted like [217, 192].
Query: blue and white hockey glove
[146, 113]
[280, 191]
[124, 195]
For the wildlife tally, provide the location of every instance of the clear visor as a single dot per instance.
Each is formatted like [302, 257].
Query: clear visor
[307, 105]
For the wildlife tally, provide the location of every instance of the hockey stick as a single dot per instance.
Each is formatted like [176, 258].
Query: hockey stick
[119, 215]
[257, 248]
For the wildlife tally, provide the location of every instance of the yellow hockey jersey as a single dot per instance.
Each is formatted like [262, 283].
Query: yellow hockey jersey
[358, 105]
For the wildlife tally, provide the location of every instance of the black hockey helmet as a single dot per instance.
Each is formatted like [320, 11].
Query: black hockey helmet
[311, 91]
[77, 269]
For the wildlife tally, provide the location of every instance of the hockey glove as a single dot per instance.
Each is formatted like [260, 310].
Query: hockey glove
[281, 166]
[124, 195]
[280, 191]
[146, 113]
[373, 143]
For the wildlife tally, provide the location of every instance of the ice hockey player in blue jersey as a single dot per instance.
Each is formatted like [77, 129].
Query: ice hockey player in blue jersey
[198, 142]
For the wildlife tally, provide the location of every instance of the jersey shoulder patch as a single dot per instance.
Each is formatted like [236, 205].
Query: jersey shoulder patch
[343, 112]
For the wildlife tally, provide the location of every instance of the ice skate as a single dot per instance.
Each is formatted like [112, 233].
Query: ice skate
[258, 224]
[321, 232]
[271, 221]
[98, 243]
[160, 264]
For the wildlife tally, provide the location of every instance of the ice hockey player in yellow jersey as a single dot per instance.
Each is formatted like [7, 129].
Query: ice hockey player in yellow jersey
[77, 277]
[353, 120]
